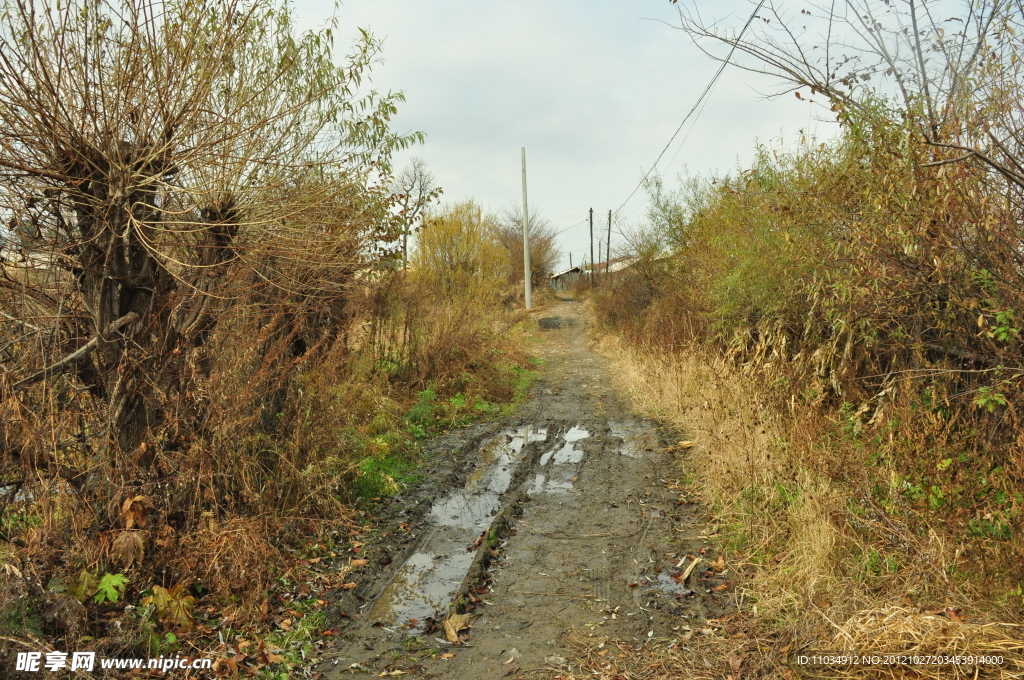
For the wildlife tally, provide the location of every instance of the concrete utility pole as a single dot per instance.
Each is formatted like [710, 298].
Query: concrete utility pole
[608, 249]
[592, 260]
[570, 260]
[526, 239]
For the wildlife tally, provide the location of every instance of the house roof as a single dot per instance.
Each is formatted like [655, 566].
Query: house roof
[570, 270]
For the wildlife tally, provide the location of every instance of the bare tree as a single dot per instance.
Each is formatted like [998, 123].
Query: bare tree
[955, 78]
[414, 189]
[544, 253]
[164, 160]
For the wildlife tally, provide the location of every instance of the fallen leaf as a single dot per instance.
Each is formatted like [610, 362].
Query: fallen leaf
[347, 586]
[285, 624]
[735, 661]
[135, 510]
[453, 624]
[360, 562]
[129, 547]
[686, 444]
[953, 614]
[274, 658]
[719, 564]
[447, 656]
[510, 659]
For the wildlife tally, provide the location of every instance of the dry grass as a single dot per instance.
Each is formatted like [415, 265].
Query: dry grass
[802, 536]
[290, 446]
[744, 465]
[730, 652]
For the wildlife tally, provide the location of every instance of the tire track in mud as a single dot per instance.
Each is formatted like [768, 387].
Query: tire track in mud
[562, 517]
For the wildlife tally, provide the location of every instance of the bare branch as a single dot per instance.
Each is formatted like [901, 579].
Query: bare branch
[79, 354]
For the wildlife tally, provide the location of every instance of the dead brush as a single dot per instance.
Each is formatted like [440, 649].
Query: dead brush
[735, 651]
[423, 335]
[899, 629]
[691, 655]
[746, 472]
[235, 560]
[801, 530]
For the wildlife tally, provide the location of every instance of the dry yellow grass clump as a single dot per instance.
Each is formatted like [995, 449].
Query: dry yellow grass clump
[801, 535]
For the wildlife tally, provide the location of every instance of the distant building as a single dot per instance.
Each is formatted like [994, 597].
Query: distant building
[616, 264]
[565, 279]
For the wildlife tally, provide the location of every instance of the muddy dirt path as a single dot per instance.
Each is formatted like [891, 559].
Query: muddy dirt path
[564, 516]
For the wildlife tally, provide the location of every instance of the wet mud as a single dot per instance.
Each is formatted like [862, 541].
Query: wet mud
[567, 515]
[430, 577]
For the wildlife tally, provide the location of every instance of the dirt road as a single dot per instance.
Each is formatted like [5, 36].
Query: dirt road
[563, 517]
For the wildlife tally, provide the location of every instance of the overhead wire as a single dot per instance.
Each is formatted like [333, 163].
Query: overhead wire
[583, 221]
[696, 105]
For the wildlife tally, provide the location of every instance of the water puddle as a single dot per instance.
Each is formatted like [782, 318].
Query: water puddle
[541, 484]
[421, 587]
[430, 577]
[560, 480]
[637, 439]
[567, 453]
[670, 586]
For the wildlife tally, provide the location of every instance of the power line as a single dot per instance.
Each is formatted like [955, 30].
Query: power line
[583, 221]
[704, 94]
[688, 133]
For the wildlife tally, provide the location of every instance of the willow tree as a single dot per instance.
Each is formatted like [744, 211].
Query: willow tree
[163, 162]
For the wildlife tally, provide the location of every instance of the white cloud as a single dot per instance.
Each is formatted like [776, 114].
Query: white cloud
[594, 90]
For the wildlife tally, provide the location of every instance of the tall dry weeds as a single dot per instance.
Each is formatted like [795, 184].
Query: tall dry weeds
[210, 357]
[801, 537]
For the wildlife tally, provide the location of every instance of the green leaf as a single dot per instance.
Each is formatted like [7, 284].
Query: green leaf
[111, 586]
[989, 399]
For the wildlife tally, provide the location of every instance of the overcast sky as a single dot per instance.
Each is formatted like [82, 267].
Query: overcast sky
[593, 89]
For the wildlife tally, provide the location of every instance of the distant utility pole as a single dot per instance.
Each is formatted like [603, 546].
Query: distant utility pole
[592, 245]
[526, 239]
[608, 250]
[570, 260]
[598, 250]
